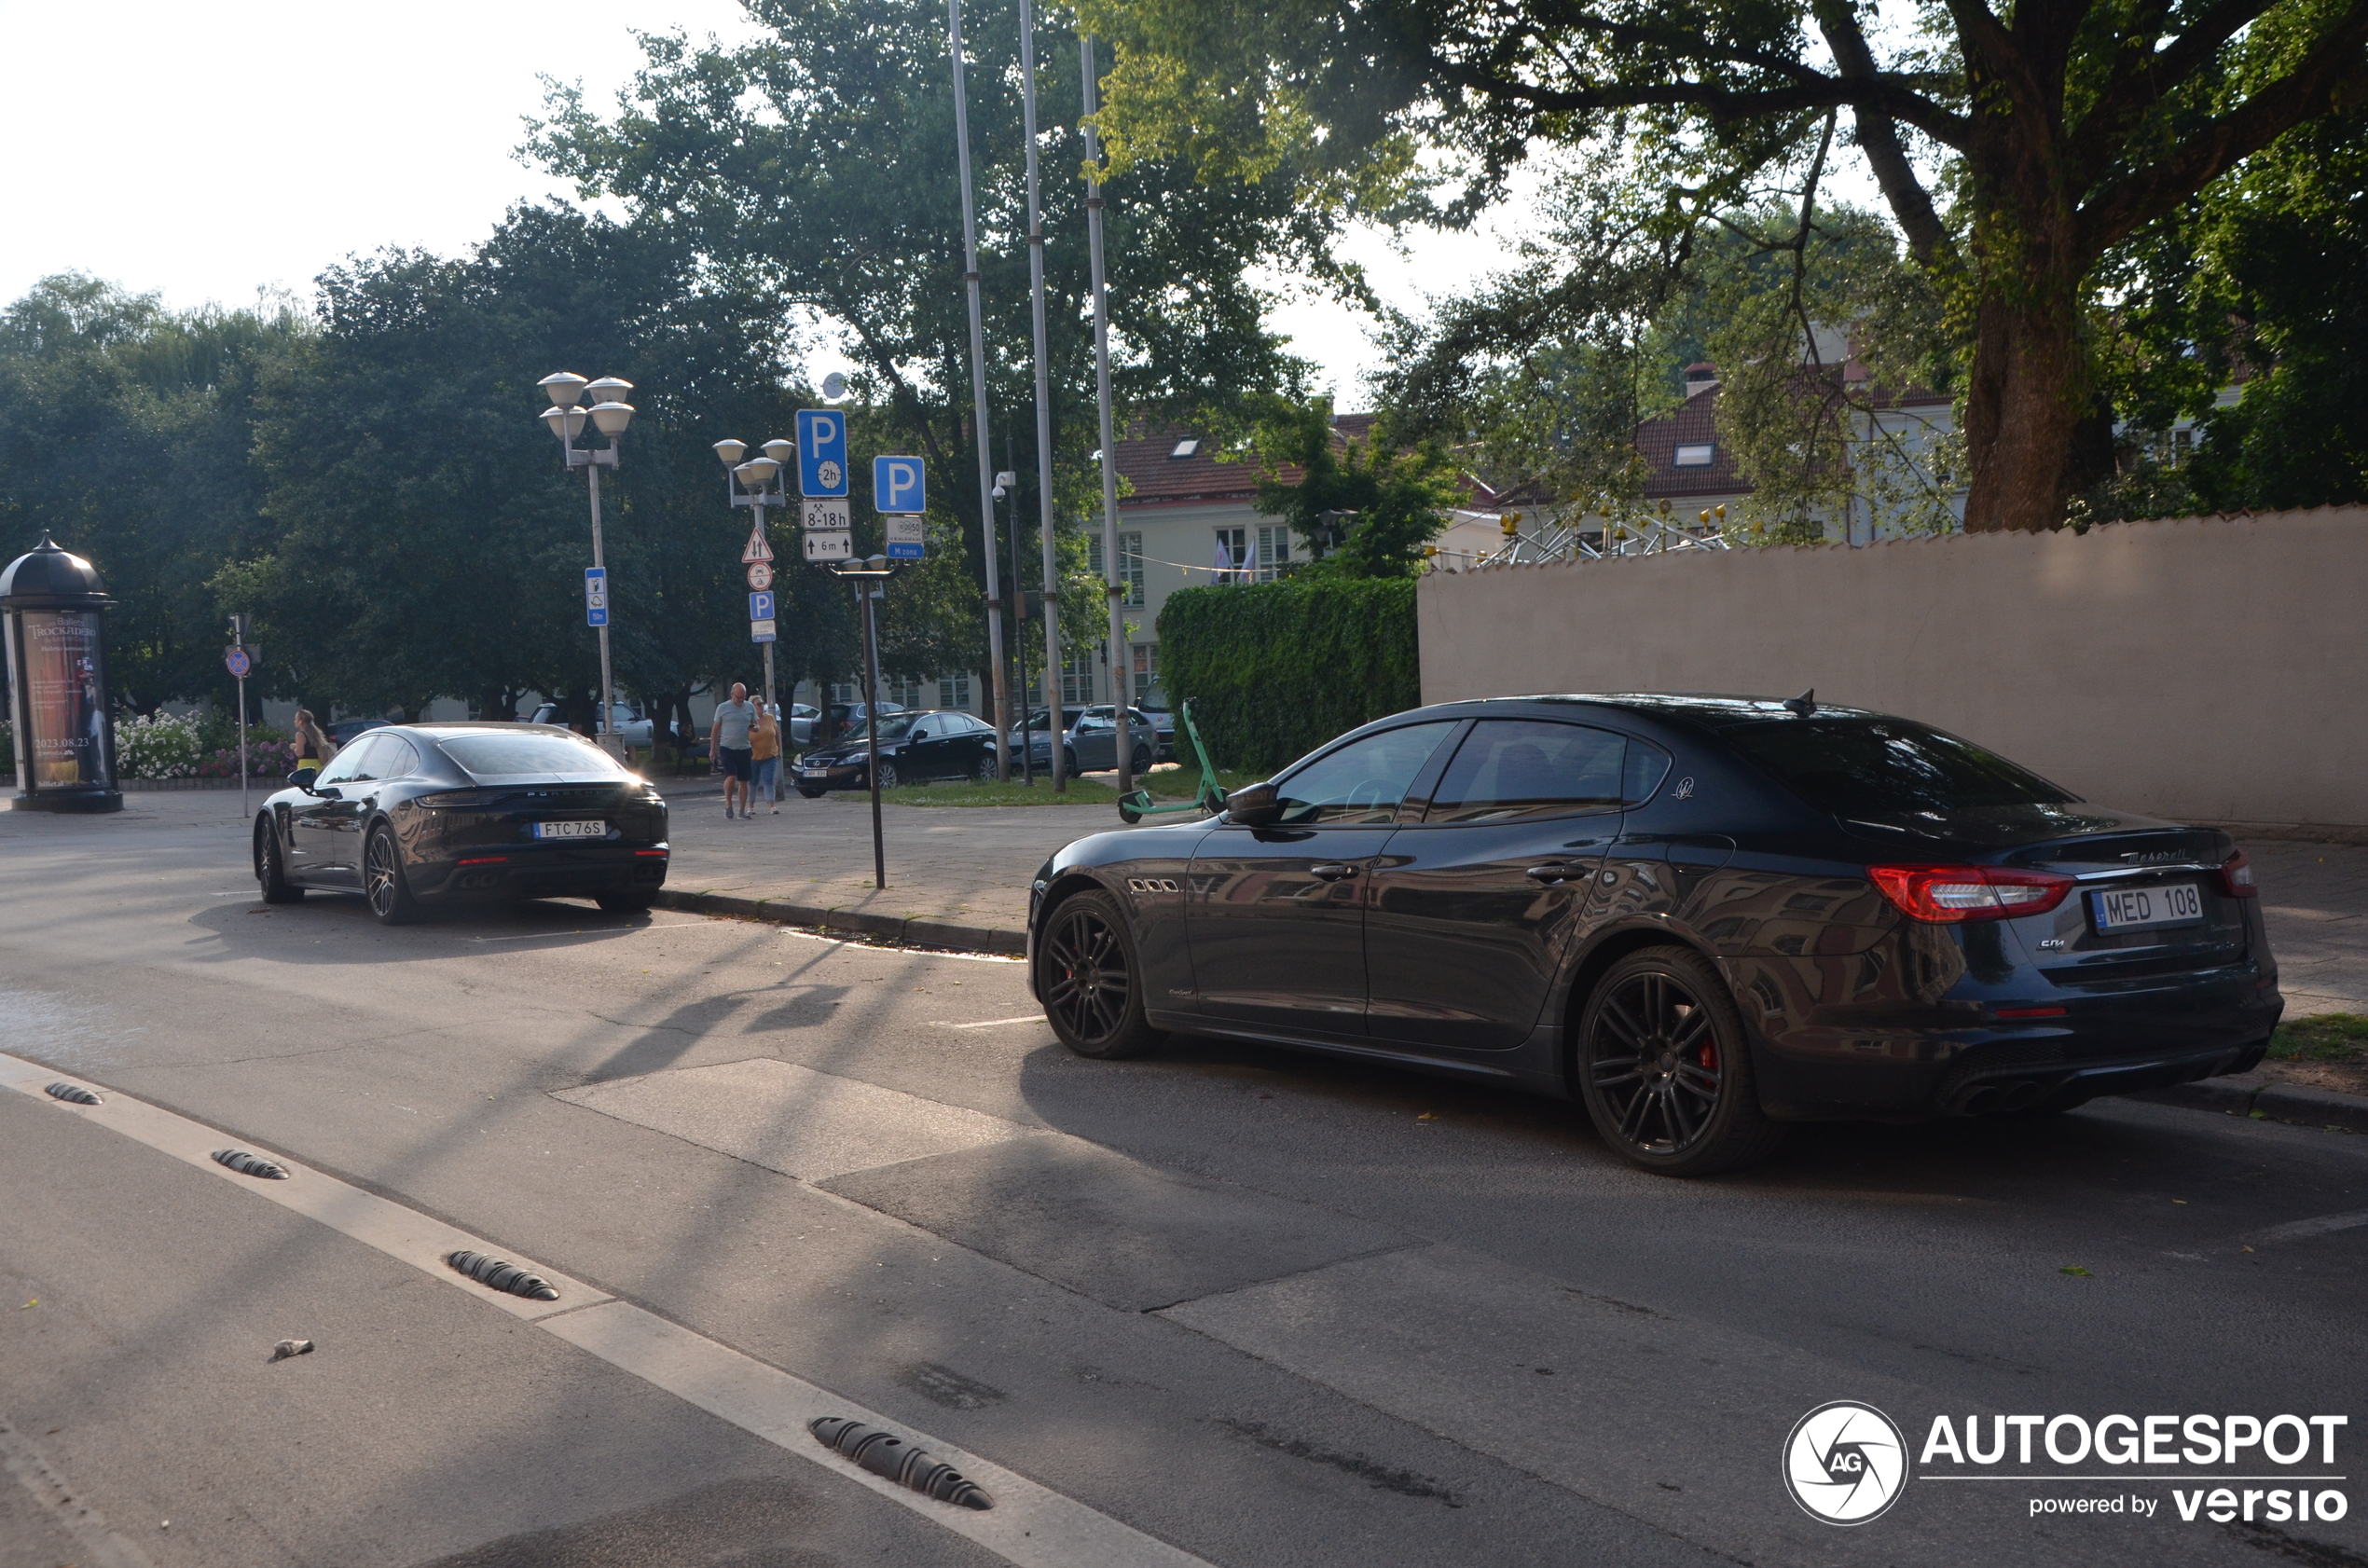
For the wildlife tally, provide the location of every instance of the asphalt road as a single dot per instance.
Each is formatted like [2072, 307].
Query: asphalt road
[1220, 1303]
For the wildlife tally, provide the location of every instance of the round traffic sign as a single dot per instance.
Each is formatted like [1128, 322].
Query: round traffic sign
[238, 661]
[760, 575]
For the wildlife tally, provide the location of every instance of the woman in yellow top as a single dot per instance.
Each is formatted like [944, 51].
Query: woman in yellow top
[765, 755]
[314, 747]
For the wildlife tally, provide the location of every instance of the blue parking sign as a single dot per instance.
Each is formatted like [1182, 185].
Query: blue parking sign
[596, 596]
[760, 607]
[899, 486]
[822, 452]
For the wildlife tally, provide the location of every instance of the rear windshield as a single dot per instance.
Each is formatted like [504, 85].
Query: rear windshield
[492, 756]
[1882, 768]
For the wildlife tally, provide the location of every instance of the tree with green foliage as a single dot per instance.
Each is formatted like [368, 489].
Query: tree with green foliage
[429, 541]
[1362, 506]
[125, 429]
[820, 160]
[2048, 134]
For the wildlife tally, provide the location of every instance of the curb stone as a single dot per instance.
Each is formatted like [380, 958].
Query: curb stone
[904, 930]
[2240, 1096]
[2246, 1095]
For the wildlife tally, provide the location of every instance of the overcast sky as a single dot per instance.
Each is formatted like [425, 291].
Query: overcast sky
[205, 151]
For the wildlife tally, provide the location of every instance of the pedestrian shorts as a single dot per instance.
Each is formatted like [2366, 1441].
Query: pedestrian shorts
[736, 763]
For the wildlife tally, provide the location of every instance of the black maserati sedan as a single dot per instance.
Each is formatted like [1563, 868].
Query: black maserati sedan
[413, 814]
[914, 749]
[1700, 917]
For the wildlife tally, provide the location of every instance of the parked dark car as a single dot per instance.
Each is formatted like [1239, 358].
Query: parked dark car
[845, 720]
[914, 748]
[1701, 916]
[1089, 743]
[418, 815]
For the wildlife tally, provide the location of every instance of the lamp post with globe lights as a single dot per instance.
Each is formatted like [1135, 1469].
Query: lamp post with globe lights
[609, 414]
[745, 484]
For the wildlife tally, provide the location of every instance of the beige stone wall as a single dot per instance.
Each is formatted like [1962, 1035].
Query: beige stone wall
[2204, 669]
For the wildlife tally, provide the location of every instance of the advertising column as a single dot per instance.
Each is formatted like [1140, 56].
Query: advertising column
[52, 608]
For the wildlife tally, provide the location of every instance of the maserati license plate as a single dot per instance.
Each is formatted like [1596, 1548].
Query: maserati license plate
[2130, 909]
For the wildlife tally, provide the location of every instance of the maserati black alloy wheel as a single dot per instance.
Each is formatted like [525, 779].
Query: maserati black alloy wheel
[1665, 1068]
[1086, 973]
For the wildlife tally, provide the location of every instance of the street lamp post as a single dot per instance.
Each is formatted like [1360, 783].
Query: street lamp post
[871, 575]
[751, 493]
[609, 414]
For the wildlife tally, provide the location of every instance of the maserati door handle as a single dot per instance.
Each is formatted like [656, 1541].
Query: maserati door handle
[1332, 871]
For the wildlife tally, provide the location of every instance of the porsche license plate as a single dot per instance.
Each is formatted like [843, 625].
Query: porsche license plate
[2130, 909]
[571, 830]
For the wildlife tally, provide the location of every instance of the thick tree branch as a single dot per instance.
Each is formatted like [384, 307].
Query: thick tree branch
[1879, 139]
[1723, 104]
[2146, 75]
[2334, 77]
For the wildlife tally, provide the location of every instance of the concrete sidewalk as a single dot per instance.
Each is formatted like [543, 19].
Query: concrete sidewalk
[958, 877]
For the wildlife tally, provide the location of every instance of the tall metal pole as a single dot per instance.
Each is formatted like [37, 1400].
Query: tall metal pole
[1054, 728]
[978, 396]
[1121, 696]
[607, 725]
[872, 729]
[242, 748]
[1019, 643]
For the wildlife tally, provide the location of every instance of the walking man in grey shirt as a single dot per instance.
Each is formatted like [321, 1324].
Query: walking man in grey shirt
[728, 742]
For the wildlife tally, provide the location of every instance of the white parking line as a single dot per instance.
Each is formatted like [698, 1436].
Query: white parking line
[1030, 1524]
[990, 1022]
[2294, 1231]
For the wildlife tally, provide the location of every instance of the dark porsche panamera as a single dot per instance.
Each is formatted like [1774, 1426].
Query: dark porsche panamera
[417, 815]
[1700, 917]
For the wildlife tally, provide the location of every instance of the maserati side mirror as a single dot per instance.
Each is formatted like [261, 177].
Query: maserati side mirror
[1254, 806]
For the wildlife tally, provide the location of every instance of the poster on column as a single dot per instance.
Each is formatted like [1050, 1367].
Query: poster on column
[63, 650]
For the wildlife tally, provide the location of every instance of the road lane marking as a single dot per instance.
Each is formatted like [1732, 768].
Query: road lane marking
[1030, 1525]
[2295, 1231]
[990, 1022]
[858, 944]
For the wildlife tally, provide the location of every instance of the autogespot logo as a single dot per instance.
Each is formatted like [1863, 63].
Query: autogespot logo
[1845, 1463]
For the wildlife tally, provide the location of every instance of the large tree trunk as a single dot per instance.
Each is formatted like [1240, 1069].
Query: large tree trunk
[2028, 397]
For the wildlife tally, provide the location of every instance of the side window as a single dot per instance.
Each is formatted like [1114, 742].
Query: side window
[393, 757]
[350, 764]
[1509, 768]
[1648, 765]
[1094, 722]
[1363, 781]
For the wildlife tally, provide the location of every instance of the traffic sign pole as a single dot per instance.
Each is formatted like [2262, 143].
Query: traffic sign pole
[610, 741]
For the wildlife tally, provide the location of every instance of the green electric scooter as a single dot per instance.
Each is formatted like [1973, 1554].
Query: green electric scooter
[1209, 799]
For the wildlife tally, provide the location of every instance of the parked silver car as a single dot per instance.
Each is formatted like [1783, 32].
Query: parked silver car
[633, 726]
[1089, 743]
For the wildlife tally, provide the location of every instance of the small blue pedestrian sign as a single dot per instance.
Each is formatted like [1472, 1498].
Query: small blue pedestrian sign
[760, 607]
[596, 596]
[899, 486]
[822, 452]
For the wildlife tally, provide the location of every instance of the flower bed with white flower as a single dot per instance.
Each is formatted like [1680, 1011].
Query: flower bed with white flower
[161, 745]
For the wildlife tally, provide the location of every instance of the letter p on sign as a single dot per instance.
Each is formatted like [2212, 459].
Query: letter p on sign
[898, 486]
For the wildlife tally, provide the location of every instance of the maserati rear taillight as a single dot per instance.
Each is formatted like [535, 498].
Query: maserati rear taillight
[2237, 877]
[1948, 894]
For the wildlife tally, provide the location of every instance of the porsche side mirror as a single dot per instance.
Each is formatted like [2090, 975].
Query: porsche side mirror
[1254, 806]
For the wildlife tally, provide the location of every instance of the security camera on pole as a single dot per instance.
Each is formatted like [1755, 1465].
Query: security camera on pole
[609, 413]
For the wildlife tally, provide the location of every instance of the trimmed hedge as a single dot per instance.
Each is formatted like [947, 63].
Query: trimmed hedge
[1275, 671]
